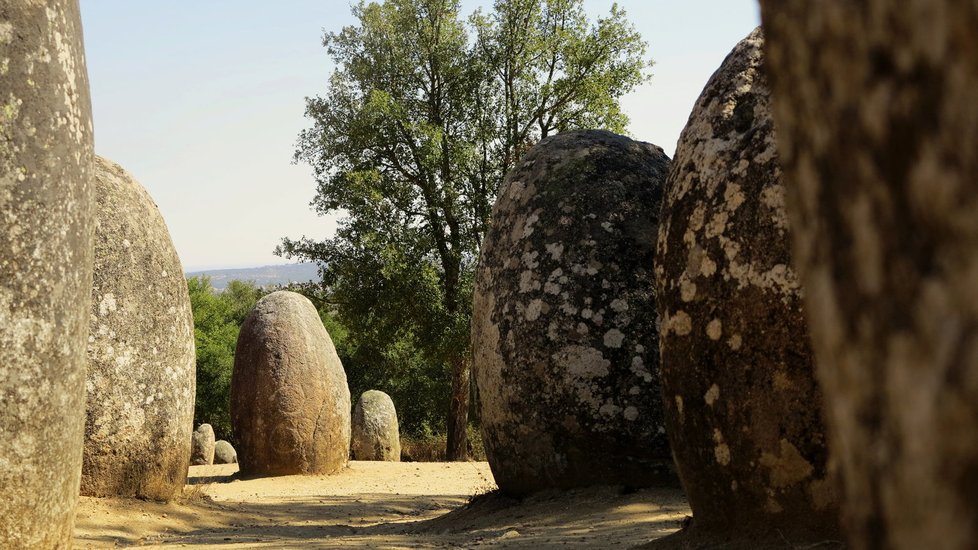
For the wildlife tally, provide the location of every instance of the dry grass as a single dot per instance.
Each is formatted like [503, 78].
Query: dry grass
[432, 448]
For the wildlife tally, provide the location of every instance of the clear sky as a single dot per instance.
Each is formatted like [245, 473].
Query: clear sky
[202, 102]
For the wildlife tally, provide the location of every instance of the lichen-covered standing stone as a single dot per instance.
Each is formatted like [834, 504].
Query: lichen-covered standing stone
[46, 228]
[375, 431]
[290, 403]
[564, 323]
[141, 370]
[224, 453]
[743, 406]
[876, 104]
[202, 445]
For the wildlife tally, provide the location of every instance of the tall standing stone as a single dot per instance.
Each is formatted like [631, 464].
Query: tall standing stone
[45, 268]
[876, 104]
[290, 403]
[743, 407]
[142, 368]
[564, 323]
[376, 435]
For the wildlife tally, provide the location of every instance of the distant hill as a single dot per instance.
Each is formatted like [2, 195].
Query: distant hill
[262, 276]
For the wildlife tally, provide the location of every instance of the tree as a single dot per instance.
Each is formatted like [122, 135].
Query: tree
[217, 321]
[412, 139]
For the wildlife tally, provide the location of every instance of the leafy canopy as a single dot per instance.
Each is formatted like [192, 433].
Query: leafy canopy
[422, 118]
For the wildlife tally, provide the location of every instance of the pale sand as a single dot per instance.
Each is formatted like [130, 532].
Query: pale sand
[378, 505]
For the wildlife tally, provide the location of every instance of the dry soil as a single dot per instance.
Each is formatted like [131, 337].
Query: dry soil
[379, 505]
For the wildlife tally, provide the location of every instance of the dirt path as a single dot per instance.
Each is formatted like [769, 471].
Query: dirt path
[378, 505]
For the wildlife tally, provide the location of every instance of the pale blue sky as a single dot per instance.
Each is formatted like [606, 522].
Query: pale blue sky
[201, 100]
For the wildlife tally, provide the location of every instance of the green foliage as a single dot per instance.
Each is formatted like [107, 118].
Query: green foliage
[217, 321]
[412, 139]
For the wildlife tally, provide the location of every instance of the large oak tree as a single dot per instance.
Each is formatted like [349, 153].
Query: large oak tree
[422, 117]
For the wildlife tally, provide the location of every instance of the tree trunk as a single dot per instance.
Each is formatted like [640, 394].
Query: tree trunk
[458, 411]
[876, 106]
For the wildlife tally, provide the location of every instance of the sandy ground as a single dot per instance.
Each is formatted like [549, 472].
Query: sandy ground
[378, 505]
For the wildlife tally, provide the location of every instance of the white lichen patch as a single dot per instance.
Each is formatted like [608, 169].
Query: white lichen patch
[711, 395]
[735, 342]
[582, 362]
[714, 329]
[555, 250]
[613, 338]
[679, 323]
[721, 451]
[6, 32]
[630, 413]
[107, 304]
[787, 467]
[619, 305]
[532, 312]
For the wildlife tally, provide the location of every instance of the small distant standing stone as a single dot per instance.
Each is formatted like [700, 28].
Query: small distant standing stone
[375, 431]
[202, 445]
[224, 453]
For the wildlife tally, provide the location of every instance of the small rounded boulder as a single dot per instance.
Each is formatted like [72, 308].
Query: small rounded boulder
[564, 324]
[224, 453]
[375, 430]
[290, 403]
[141, 362]
[743, 406]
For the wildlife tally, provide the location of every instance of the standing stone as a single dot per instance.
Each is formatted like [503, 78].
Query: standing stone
[46, 230]
[743, 407]
[564, 325]
[876, 104]
[375, 431]
[224, 453]
[290, 404]
[202, 445]
[141, 368]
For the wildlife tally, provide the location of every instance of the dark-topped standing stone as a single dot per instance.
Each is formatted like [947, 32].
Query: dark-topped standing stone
[564, 324]
[202, 445]
[743, 407]
[141, 368]
[876, 104]
[290, 403]
[224, 453]
[46, 228]
[375, 431]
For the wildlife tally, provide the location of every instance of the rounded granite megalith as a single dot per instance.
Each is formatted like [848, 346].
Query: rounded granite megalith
[202, 445]
[564, 324]
[141, 363]
[224, 453]
[46, 231]
[375, 432]
[742, 404]
[876, 104]
[290, 403]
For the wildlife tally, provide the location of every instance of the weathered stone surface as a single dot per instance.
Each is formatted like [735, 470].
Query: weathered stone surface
[141, 369]
[375, 431]
[743, 407]
[224, 453]
[46, 228]
[290, 403]
[202, 445]
[564, 324]
[876, 103]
